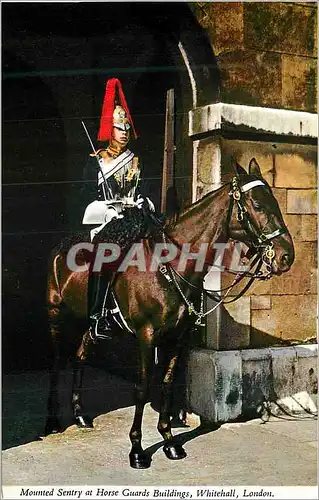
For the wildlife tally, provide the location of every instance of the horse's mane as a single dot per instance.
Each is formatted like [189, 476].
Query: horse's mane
[172, 219]
[123, 232]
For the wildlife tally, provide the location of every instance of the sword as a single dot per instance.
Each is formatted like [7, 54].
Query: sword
[104, 179]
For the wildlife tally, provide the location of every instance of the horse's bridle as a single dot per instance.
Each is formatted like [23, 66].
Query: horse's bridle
[263, 251]
[262, 241]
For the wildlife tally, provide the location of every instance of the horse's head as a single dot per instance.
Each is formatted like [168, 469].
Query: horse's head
[256, 219]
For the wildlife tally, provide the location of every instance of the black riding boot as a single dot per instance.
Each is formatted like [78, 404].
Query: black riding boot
[98, 290]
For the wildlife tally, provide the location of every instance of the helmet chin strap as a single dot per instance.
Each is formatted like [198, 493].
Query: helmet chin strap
[115, 148]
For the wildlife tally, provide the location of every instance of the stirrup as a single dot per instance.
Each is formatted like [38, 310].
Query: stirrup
[94, 328]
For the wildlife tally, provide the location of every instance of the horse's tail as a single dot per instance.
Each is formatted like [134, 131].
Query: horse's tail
[54, 301]
[54, 296]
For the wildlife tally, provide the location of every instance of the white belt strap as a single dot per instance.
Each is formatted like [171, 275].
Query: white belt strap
[114, 166]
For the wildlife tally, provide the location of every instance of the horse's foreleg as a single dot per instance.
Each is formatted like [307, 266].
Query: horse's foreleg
[138, 458]
[53, 424]
[81, 419]
[172, 448]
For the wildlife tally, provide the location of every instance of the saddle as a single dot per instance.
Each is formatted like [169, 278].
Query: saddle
[135, 226]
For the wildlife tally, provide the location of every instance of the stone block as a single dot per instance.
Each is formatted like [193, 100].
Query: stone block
[305, 256]
[244, 151]
[291, 318]
[228, 385]
[260, 302]
[305, 374]
[257, 379]
[284, 361]
[300, 403]
[215, 384]
[240, 310]
[293, 223]
[314, 281]
[294, 283]
[301, 201]
[281, 197]
[251, 78]
[225, 385]
[201, 380]
[260, 287]
[295, 171]
[298, 279]
[223, 331]
[208, 161]
[235, 325]
[226, 117]
[223, 22]
[309, 227]
[281, 27]
[295, 377]
[299, 84]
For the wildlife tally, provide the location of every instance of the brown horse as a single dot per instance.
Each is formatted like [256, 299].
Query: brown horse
[158, 305]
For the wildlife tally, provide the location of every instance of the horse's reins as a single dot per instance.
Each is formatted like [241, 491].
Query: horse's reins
[261, 239]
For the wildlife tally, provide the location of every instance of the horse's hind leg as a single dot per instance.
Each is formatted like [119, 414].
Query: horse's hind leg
[81, 419]
[53, 424]
[172, 448]
[138, 458]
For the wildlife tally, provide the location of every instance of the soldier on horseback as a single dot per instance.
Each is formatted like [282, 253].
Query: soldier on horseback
[118, 179]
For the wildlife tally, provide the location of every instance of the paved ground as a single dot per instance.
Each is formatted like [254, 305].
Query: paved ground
[278, 453]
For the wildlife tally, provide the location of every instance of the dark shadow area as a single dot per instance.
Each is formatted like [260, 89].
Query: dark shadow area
[33, 212]
[25, 396]
[184, 437]
[109, 379]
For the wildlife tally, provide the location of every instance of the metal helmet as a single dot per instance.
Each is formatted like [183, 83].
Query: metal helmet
[120, 119]
[115, 111]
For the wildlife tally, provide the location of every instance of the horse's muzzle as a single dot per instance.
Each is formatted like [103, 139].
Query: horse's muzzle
[282, 263]
[285, 262]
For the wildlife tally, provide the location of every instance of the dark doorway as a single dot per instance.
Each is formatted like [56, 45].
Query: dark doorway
[56, 58]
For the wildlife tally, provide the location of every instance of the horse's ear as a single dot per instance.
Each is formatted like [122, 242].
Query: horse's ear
[254, 168]
[237, 169]
[240, 170]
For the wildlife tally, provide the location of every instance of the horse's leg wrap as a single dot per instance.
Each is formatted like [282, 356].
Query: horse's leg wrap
[81, 419]
[138, 458]
[172, 449]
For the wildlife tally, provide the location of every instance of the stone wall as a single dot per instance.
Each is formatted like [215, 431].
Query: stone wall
[224, 386]
[267, 56]
[283, 307]
[266, 51]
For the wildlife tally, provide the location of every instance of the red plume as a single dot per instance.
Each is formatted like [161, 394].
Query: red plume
[106, 122]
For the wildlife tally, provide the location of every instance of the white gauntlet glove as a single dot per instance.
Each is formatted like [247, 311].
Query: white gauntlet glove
[140, 200]
[150, 204]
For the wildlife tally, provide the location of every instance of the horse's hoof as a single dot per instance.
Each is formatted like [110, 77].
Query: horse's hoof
[174, 451]
[84, 422]
[140, 460]
[52, 426]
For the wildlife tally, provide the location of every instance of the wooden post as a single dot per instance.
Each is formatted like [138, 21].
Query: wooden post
[169, 147]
